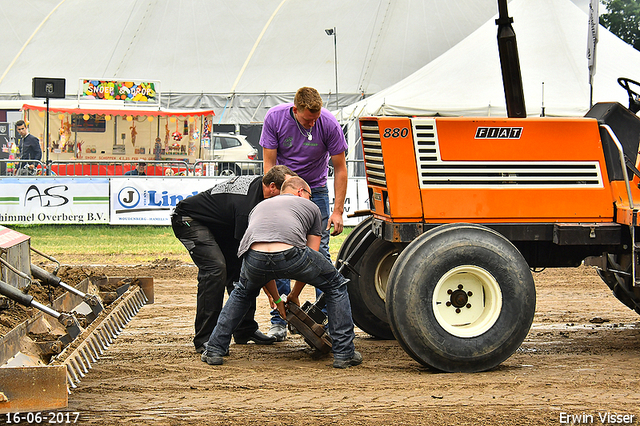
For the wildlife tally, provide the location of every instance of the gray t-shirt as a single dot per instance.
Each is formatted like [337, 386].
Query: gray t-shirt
[285, 218]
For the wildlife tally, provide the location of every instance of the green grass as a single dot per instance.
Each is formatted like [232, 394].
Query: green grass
[105, 244]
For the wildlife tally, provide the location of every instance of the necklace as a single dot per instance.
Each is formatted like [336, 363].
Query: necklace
[308, 134]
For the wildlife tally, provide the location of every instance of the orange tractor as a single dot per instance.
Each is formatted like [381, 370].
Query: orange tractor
[463, 208]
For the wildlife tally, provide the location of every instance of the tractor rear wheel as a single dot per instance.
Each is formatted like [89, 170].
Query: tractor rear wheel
[460, 298]
[621, 284]
[368, 277]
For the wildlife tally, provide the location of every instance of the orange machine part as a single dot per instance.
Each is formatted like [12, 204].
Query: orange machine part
[541, 140]
[400, 167]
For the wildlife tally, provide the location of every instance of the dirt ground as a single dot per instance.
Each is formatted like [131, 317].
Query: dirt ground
[580, 359]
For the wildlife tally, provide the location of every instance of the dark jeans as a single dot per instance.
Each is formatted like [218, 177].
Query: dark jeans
[218, 267]
[301, 264]
[320, 196]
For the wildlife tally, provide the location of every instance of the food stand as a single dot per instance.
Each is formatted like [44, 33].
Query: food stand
[120, 121]
[122, 134]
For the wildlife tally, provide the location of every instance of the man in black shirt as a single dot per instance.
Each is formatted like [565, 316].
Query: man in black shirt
[29, 147]
[210, 225]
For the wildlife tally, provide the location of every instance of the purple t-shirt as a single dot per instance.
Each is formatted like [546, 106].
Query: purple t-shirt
[308, 158]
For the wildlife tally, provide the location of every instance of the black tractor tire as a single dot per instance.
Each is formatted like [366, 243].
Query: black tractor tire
[621, 285]
[461, 298]
[367, 307]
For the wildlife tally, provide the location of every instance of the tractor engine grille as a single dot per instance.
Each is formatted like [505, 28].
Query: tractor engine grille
[374, 164]
[433, 172]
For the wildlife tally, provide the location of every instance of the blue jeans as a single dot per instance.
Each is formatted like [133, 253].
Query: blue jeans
[303, 264]
[320, 196]
[218, 267]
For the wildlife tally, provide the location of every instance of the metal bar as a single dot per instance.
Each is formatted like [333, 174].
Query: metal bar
[622, 162]
[16, 271]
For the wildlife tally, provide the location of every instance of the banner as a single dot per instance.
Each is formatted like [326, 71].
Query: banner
[54, 200]
[150, 201]
[145, 92]
[142, 201]
[122, 201]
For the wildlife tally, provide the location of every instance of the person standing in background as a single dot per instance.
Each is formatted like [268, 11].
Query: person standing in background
[29, 147]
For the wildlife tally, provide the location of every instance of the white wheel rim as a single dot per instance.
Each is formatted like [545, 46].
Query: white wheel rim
[467, 301]
[382, 273]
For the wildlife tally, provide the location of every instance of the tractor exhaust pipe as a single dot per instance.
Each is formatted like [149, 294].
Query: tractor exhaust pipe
[510, 64]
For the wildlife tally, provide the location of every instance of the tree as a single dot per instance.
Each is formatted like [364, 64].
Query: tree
[623, 19]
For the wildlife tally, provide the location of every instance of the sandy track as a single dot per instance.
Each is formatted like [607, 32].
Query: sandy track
[579, 359]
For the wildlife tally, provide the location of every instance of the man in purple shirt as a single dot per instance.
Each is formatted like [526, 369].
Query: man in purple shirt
[304, 136]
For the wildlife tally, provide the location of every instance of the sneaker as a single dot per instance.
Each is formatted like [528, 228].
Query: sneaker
[356, 359]
[201, 349]
[211, 358]
[258, 337]
[279, 331]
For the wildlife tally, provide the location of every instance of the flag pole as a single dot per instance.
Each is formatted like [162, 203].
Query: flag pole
[592, 41]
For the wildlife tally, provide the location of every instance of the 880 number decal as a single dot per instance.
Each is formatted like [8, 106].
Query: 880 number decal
[396, 132]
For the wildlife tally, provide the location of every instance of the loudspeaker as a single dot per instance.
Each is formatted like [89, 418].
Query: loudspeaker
[48, 87]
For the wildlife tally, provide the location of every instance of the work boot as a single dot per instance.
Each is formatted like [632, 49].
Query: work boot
[279, 331]
[356, 359]
[258, 337]
[211, 358]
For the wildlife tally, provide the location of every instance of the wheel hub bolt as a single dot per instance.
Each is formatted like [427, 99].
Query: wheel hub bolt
[459, 298]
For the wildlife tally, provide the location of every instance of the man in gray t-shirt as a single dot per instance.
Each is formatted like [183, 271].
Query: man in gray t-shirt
[281, 242]
[296, 218]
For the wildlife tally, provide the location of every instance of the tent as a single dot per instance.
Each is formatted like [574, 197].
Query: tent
[237, 57]
[552, 43]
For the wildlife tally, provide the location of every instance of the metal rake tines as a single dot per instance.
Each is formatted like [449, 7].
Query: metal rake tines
[101, 335]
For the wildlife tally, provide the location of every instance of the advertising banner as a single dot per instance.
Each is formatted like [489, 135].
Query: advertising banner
[142, 201]
[145, 92]
[54, 201]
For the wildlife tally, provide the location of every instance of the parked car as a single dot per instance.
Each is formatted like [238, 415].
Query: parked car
[234, 155]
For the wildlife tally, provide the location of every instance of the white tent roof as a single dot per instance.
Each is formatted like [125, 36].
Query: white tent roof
[237, 57]
[221, 46]
[552, 44]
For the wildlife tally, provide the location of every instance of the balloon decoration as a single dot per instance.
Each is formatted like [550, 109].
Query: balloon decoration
[177, 136]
